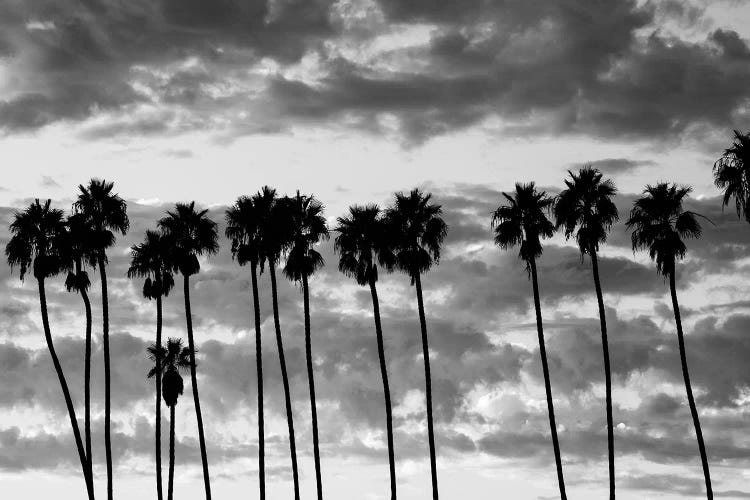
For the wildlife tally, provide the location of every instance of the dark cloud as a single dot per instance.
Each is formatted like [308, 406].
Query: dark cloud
[619, 166]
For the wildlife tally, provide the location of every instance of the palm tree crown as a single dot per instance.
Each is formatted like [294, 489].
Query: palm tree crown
[36, 238]
[732, 174]
[151, 260]
[244, 222]
[363, 243]
[105, 212]
[192, 233]
[78, 252]
[307, 228]
[273, 225]
[172, 359]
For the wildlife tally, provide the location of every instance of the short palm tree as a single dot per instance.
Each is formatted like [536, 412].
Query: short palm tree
[585, 210]
[34, 246]
[168, 363]
[151, 260]
[522, 221]
[362, 244]
[660, 224]
[106, 214]
[192, 234]
[732, 174]
[308, 227]
[418, 231]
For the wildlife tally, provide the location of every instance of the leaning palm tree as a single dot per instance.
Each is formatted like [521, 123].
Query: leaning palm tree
[308, 227]
[34, 246]
[105, 213]
[585, 210]
[418, 231]
[151, 260]
[192, 234]
[732, 174]
[660, 224]
[243, 229]
[168, 362]
[522, 222]
[362, 244]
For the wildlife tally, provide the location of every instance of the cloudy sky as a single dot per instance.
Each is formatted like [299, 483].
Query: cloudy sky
[179, 100]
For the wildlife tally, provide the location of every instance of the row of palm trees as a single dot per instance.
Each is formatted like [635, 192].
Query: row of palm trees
[265, 229]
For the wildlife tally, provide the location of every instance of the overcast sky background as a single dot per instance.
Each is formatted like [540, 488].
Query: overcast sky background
[179, 100]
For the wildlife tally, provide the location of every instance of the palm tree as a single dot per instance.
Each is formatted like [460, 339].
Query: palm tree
[522, 222]
[151, 260]
[105, 213]
[585, 210]
[660, 224]
[308, 227]
[168, 362]
[243, 229]
[34, 246]
[732, 174]
[192, 234]
[362, 244]
[274, 239]
[418, 231]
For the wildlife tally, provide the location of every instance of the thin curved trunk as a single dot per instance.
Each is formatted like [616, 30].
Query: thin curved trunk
[86, 374]
[607, 375]
[107, 380]
[157, 439]
[285, 379]
[547, 386]
[170, 483]
[428, 386]
[688, 387]
[194, 383]
[66, 392]
[259, 368]
[311, 382]
[386, 386]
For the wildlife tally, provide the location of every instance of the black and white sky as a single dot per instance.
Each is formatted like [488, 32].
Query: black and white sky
[178, 100]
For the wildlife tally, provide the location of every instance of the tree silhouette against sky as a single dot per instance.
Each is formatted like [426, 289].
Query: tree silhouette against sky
[732, 174]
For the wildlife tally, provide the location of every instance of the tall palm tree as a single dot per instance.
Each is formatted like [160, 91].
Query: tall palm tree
[168, 362]
[732, 174]
[192, 234]
[585, 209]
[152, 260]
[660, 224]
[362, 244]
[243, 229]
[308, 227]
[34, 246]
[522, 222]
[418, 231]
[106, 214]
[273, 228]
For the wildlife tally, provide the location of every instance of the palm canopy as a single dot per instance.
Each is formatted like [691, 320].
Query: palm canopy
[732, 174]
[307, 228]
[152, 260]
[76, 245]
[37, 234]
[585, 208]
[274, 225]
[362, 243]
[192, 234]
[660, 224]
[244, 221]
[418, 231]
[523, 221]
[171, 360]
[104, 211]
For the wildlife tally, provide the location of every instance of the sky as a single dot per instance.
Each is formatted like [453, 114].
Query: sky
[180, 100]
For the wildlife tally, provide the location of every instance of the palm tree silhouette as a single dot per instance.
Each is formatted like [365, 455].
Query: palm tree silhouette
[168, 362]
[660, 224]
[585, 210]
[522, 222]
[37, 234]
[193, 234]
[243, 229]
[362, 244]
[106, 213]
[151, 260]
[732, 174]
[418, 232]
[307, 228]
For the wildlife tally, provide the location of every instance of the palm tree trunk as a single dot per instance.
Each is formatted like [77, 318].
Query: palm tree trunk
[311, 382]
[259, 368]
[547, 386]
[159, 494]
[86, 374]
[194, 383]
[607, 375]
[66, 393]
[285, 379]
[688, 387]
[428, 386]
[170, 484]
[107, 381]
[386, 387]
